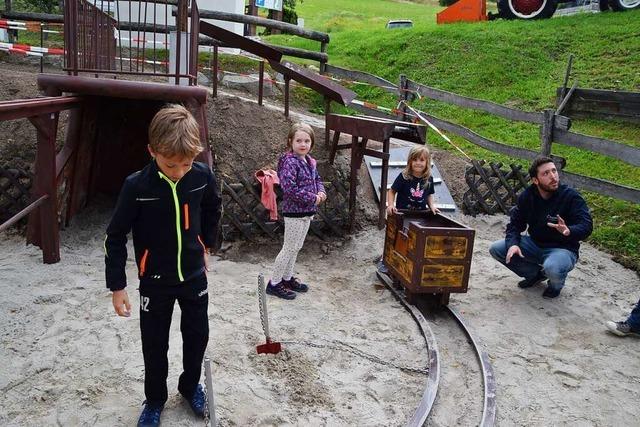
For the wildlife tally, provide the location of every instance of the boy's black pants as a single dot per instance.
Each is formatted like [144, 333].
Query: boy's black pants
[156, 308]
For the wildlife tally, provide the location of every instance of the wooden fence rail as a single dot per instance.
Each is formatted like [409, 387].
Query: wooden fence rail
[360, 76]
[553, 128]
[476, 104]
[603, 103]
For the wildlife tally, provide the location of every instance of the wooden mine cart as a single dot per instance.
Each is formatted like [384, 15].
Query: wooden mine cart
[428, 254]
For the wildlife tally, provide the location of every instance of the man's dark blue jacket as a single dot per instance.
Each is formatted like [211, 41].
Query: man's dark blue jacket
[171, 224]
[531, 211]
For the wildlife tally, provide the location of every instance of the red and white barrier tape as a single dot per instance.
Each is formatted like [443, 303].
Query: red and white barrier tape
[140, 60]
[29, 48]
[19, 51]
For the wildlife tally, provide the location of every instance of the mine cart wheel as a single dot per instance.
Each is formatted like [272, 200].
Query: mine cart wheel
[622, 5]
[409, 296]
[529, 9]
[444, 298]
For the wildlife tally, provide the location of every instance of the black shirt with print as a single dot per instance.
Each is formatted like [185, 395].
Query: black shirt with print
[412, 193]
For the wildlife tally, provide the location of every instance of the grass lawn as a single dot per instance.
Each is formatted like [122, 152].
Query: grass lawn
[516, 63]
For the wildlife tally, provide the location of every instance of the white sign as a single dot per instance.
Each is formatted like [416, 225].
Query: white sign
[270, 4]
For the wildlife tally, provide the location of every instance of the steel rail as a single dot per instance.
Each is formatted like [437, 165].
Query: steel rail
[489, 408]
[433, 379]
[488, 378]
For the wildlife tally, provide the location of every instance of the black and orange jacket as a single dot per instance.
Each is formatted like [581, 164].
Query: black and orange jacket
[172, 224]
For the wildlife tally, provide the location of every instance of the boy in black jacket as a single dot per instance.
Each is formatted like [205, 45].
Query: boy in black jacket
[172, 207]
[556, 218]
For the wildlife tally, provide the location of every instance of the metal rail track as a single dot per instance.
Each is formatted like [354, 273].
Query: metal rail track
[433, 380]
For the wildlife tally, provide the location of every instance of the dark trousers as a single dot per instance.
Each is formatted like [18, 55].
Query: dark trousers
[156, 308]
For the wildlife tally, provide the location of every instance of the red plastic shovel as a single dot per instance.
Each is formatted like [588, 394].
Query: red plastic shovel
[270, 346]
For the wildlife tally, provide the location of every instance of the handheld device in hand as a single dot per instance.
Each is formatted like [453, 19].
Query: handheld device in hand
[553, 219]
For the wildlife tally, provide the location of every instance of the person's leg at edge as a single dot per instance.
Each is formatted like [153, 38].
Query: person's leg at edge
[634, 318]
[156, 309]
[194, 326]
[527, 267]
[556, 266]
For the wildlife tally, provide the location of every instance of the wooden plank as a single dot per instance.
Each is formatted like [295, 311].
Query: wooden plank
[604, 103]
[359, 76]
[623, 152]
[476, 104]
[264, 22]
[601, 186]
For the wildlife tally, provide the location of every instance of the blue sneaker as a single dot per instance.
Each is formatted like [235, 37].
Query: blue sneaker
[150, 416]
[198, 402]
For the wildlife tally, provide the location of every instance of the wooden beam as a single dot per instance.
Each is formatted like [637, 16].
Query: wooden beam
[476, 104]
[622, 152]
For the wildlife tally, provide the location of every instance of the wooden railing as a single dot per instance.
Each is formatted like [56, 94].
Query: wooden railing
[43, 114]
[554, 128]
[323, 38]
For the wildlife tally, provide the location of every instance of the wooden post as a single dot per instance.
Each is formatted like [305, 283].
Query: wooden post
[383, 185]
[253, 11]
[45, 183]
[402, 86]
[546, 132]
[287, 79]
[277, 15]
[353, 180]
[261, 83]
[323, 64]
[327, 111]
[214, 71]
[566, 78]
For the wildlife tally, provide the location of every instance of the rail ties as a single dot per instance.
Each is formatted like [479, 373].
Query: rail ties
[426, 403]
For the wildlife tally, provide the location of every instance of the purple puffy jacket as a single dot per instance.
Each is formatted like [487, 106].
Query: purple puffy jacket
[300, 182]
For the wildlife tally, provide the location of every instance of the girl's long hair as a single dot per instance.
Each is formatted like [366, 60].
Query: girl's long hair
[300, 127]
[416, 153]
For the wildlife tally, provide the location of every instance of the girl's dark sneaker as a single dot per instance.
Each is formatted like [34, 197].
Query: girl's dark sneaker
[295, 285]
[280, 290]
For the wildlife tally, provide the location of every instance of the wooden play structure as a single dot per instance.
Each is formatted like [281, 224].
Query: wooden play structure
[106, 135]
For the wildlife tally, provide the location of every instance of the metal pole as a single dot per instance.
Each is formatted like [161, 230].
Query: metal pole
[41, 45]
[209, 383]
[261, 83]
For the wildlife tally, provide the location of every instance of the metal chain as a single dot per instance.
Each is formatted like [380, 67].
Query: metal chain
[334, 344]
[261, 295]
[341, 346]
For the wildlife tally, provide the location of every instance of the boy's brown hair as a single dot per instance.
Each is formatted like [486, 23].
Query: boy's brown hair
[300, 127]
[174, 132]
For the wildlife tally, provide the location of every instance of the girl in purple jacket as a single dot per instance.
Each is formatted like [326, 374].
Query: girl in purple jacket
[302, 192]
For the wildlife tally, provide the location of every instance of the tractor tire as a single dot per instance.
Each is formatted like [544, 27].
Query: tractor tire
[622, 5]
[529, 9]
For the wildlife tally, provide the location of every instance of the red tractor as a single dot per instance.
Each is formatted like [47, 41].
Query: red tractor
[540, 9]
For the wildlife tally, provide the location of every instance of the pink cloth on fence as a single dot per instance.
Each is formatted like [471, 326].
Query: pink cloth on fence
[268, 178]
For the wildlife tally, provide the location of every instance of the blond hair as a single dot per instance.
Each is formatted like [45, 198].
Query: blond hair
[174, 132]
[303, 127]
[414, 154]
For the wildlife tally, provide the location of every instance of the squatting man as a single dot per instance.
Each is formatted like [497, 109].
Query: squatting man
[556, 219]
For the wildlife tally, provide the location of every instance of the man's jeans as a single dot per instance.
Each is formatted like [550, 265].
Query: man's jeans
[556, 263]
[634, 318]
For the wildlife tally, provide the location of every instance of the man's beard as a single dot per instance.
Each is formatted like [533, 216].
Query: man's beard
[548, 188]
